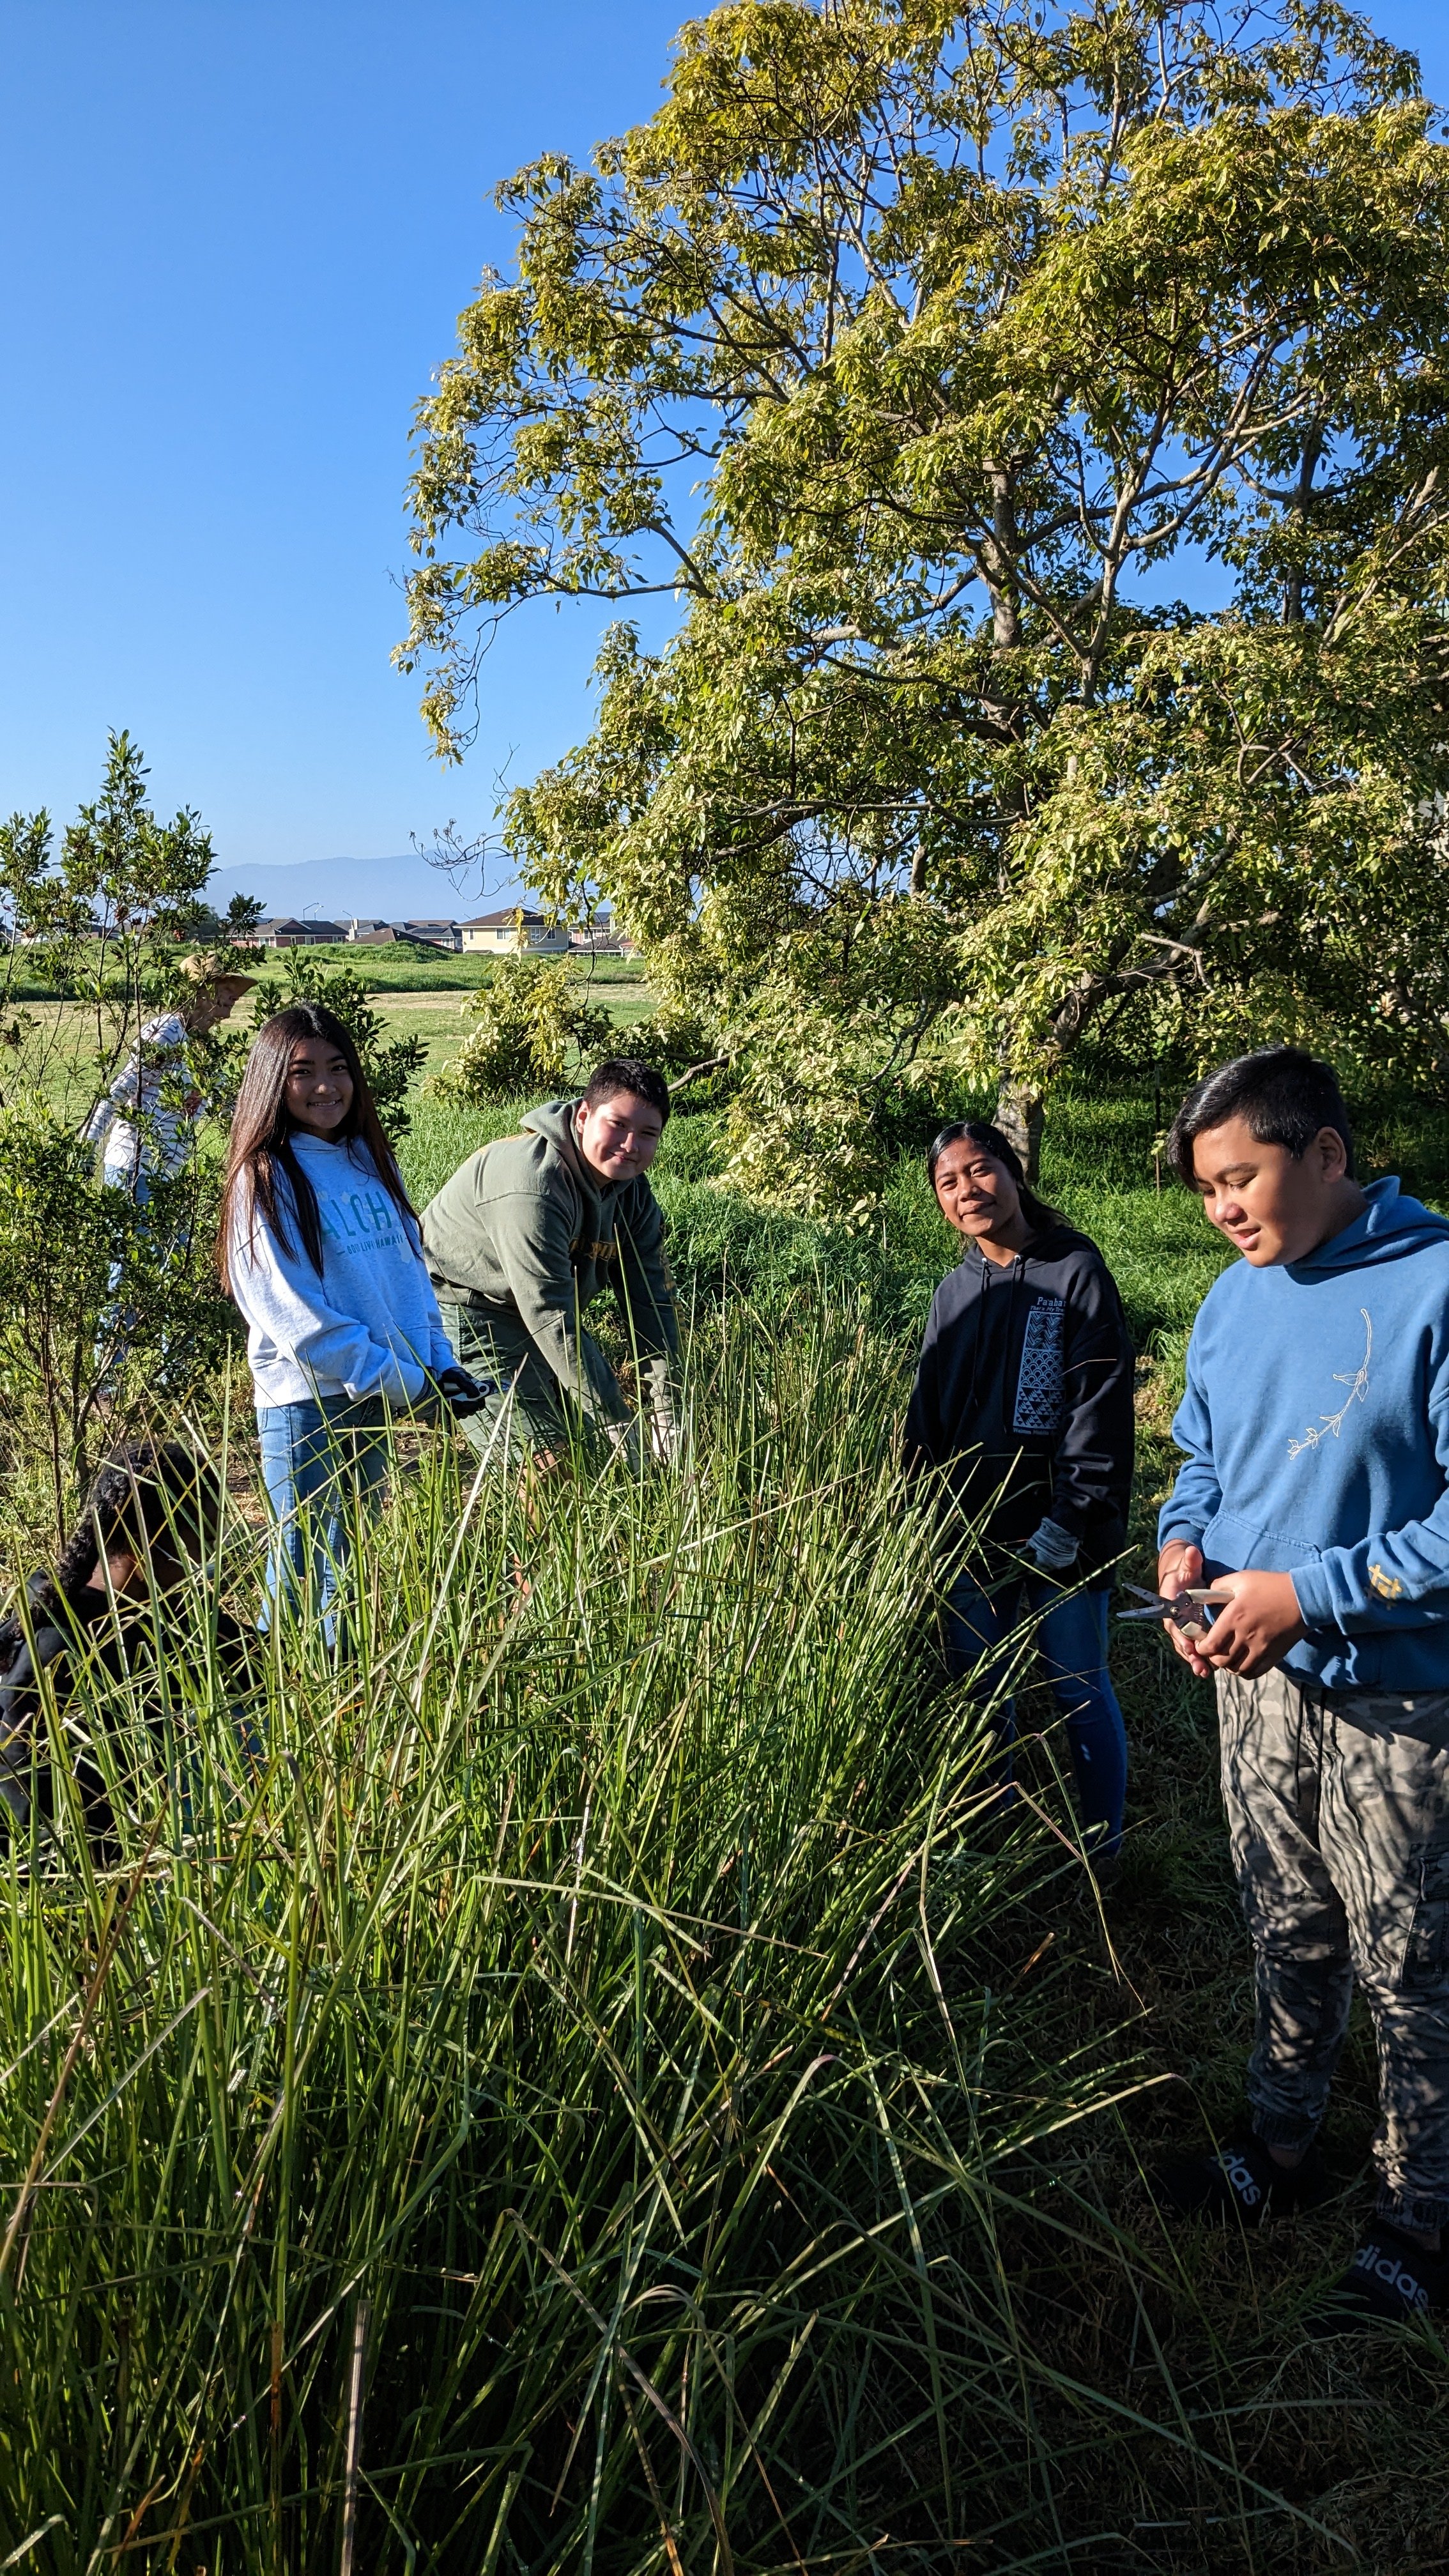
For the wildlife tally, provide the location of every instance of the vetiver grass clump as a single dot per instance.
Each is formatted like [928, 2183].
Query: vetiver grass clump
[594, 2081]
[562, 2004]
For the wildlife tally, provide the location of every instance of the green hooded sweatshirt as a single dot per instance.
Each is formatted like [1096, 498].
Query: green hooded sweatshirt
[527, 1233]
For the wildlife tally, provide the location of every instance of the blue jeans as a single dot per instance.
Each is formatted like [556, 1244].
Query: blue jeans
[118, 1323]
[317, 1458]
[1071, 1639]
[113, 1347]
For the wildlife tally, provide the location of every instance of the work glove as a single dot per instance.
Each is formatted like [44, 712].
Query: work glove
[462, 1393]
[1052, 1549]
[664, 1433]
[625, 1442]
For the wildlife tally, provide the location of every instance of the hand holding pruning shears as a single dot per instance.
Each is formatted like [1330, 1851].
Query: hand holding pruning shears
[1255, 1616]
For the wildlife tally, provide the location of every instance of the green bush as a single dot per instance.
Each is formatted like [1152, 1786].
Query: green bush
[533, 1021]
[104, 1307]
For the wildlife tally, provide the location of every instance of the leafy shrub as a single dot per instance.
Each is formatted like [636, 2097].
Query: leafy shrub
[676, 1038]
[530, 1019]
[102, 1303]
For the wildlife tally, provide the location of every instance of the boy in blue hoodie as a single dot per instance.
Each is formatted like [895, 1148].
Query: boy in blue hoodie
[1315, 1500]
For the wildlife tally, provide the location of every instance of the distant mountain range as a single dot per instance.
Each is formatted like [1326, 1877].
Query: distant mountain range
[395, 889]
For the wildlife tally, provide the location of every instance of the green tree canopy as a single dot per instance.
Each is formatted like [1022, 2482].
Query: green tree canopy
[923, 352]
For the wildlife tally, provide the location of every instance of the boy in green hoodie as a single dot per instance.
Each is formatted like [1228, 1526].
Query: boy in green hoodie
[528, 1232]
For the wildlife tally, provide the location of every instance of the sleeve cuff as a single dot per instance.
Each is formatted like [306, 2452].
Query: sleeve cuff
[1314, 1595]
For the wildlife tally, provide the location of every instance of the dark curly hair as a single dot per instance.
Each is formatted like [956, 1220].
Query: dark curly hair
[146, 1495]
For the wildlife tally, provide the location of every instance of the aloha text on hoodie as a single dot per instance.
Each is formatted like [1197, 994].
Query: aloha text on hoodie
[370, 1325]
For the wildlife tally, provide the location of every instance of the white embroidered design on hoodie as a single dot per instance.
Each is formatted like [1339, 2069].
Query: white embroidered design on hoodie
[1356, 1382]
[1039, 1385]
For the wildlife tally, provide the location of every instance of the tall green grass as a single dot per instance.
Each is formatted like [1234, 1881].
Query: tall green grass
[609, 2087]
[579, 2099]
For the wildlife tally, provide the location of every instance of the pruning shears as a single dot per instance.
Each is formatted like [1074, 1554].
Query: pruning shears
[1185, 1611]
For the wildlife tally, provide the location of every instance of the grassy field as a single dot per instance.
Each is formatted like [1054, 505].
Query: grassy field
[435, 1011]
[614, 2032]
[396, 969]
[420, 970]
[442, 1022]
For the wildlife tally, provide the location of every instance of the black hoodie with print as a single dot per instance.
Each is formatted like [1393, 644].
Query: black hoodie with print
[1024, 1390]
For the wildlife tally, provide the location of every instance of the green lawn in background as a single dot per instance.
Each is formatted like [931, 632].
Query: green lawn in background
[404, 969]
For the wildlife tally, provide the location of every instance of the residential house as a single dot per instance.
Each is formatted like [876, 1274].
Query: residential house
[433, 933]
[508, 934]
[285, 932]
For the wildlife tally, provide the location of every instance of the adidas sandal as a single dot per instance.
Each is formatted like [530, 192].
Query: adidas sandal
[1239, 2180]
[1390, 2281]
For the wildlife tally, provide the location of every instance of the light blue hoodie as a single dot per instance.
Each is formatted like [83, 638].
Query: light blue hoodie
[1316, 1426]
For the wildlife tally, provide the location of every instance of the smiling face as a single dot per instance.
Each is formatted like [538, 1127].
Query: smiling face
[319, 1087]
[618, 1137]
[977, 1195]
[1273, 1205]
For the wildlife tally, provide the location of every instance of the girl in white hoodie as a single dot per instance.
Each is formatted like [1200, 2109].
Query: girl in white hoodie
[320, 1249]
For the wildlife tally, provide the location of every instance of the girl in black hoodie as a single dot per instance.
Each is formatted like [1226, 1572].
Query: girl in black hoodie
[1023, 1396]
[104, 1615]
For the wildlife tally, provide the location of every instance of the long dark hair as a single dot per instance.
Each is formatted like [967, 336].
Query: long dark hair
[979, 1131]
[261, 1138]
[147, 1495]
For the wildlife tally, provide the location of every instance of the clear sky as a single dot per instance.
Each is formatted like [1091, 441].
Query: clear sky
[239, 233]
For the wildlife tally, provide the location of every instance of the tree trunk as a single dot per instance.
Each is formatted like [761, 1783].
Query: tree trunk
[1021, 1115]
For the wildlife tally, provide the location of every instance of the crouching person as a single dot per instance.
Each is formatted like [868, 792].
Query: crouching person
[524, 1237]
[1315, 1501]
[110, 1610]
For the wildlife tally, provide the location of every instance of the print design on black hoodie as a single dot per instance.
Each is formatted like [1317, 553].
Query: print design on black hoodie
[1039, 1386]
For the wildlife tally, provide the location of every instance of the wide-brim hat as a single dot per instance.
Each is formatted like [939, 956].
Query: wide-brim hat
[203, 969]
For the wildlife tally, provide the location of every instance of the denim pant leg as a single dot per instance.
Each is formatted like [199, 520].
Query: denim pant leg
[1072, 1641]
[113, 1341]
[977, 1626]
[316, 1457]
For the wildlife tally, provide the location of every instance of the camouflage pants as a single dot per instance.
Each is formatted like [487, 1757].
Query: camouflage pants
[1338, 1809]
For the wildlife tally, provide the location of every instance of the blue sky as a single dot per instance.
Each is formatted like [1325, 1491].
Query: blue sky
[239, 235]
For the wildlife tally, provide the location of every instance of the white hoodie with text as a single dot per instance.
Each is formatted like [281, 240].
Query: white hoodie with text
[370, 1325]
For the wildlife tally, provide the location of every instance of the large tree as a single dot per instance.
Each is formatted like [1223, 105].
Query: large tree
[923, 353]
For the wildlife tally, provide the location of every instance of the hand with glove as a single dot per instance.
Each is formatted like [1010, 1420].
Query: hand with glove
[664, 1435]
[1052, 1549]
[626, 1444]
[461, 1393]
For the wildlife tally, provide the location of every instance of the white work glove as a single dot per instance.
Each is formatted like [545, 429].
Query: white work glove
[625, 1442]
[1052, 1549]
[665, 1441]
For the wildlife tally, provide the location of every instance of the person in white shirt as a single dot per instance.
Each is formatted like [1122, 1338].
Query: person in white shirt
[320, 1249]
[146, 1123]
